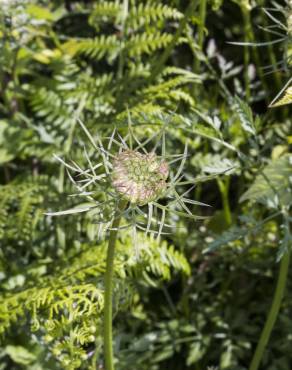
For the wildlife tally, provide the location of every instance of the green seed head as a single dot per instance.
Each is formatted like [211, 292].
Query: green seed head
[139, 178]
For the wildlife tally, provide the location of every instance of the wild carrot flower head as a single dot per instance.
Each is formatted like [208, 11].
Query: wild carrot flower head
[126, 171]
[139, 178]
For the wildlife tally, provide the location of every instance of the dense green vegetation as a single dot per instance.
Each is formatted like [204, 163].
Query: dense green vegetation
[200, 78]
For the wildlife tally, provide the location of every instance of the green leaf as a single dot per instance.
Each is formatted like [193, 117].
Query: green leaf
[6, 152]
[20, 355]
[197, 351]
[220, 165]
[230, 235]
[226, 357]
[285, 99]
[245, 116]
[273, 185]
[284, 96]
[39, 12]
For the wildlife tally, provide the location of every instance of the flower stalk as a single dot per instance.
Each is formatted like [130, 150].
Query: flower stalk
[274, 310]
[201, 30]
[127, 184]
[108, 280]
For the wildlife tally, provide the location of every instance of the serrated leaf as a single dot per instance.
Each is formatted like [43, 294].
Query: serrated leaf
[219, 165]
[273, 185]
[284, 97]
[245, 116]
[226, 237]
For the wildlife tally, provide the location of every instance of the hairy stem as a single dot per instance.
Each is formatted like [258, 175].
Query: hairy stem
[274, 310]
[108, 281]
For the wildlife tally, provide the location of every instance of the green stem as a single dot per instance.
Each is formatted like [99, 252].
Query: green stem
[61, 237]
[161, 62]
[224, 190]
[201, 30]
[274, 310]
[249, 37]
[108, 281]
[122, 36]
[247, 31]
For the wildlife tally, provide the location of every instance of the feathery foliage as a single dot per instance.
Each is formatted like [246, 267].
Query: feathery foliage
[205, 73]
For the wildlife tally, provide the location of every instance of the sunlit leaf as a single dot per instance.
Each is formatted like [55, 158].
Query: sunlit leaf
[272, 186]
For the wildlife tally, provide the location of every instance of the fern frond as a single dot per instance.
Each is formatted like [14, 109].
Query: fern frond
[147, 13]
[20, 201]
[97, 48]
[145, 43]
[139, 14]
[157, 258]
[49, 106]
[169, 88]
[180, 95]
[103, 10]
[138, 70]
[147, 108]
[66, 305]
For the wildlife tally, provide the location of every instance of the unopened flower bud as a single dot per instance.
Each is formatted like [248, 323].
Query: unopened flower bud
[139, 178]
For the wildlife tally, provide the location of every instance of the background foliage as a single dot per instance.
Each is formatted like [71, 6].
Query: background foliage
[199, 298]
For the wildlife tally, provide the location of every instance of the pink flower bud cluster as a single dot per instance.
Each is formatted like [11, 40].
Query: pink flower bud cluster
[139, 178]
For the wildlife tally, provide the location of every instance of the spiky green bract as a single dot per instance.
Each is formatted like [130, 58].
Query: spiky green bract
[123, 169]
